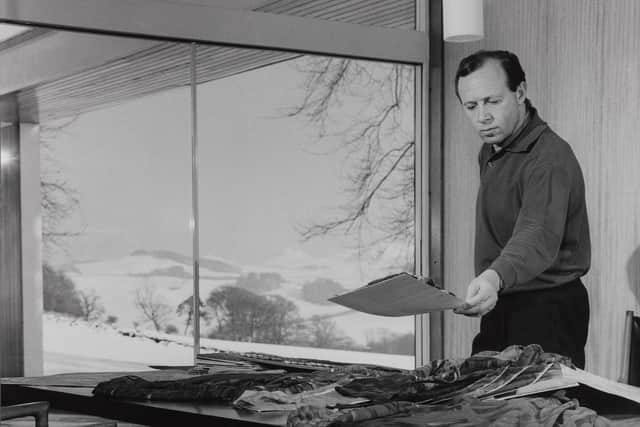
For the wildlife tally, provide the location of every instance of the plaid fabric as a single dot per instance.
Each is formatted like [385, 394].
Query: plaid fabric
[471, 412]
[227, 387]
[309, 416]
[441, 381]
[290, 364]
[444, 380]
[299, 382]
[211, 388]
[450, 370]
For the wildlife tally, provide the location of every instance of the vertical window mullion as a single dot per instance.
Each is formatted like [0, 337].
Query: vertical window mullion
[195, 229]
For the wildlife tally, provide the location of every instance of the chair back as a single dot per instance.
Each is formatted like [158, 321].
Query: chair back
[630, 372]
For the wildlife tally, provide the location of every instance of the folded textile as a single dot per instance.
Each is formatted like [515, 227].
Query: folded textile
[227, 387]
[211, 388]
[471, 412]
[311, 416]
[500, 382]
[449, 370]
[305, 381]
[263, 400]
[291, 364]
[482, 384]
[483, 375]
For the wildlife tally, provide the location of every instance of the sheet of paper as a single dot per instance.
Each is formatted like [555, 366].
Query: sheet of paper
[399, 295]
[543, 386]
[603, 384]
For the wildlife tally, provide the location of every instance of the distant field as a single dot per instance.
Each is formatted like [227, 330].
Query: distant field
[73, 346]
[115, 281]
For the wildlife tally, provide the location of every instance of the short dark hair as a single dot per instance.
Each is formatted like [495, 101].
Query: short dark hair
[509, 62]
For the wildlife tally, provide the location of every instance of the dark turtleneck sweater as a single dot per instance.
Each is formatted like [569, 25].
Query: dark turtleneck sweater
[531, 215]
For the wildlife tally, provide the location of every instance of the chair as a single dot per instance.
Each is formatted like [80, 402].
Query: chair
[39, 410]
[46, 418]
[630, 372]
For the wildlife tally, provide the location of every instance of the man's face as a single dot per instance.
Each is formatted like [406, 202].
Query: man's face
[494, 110]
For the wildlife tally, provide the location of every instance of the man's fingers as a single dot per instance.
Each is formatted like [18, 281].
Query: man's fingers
[468, 310]
[469, 313]
[476, 299]
[477, 308]
[471, 292]
[481, 298]
[462, 309]
[464, 306]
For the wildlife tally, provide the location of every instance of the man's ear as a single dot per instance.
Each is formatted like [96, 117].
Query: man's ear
[521, 92]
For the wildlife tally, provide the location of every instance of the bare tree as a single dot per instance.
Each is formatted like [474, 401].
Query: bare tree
[152, 307]
[92, 308]
[370, 108]
[59, 200]
[323, 332]
[186, 308]
[242, 315]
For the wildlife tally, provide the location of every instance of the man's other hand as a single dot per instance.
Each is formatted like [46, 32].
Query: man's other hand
[482, 294]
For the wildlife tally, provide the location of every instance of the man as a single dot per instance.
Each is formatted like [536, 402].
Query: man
[532, 234]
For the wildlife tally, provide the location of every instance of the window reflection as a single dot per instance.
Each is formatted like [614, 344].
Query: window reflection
[306, 190]
[116, 198]
[306, 172]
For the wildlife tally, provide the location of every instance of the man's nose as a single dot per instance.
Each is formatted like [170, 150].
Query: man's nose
[483, 115]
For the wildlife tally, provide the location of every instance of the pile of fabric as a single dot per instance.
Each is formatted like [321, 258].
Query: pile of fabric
[477, 391]
[538, 411]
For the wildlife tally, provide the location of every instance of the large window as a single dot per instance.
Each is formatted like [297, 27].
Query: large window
[116, 187]
[306, 190]
[305, 174]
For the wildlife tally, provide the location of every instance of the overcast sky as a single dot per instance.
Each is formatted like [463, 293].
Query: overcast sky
[261, 174]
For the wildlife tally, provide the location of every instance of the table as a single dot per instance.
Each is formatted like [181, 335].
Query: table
[73, 392]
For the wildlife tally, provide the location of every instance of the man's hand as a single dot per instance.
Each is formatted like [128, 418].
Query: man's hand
[482, 294]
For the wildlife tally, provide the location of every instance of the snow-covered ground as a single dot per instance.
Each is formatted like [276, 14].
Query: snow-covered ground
[72, 345]
[116, 282]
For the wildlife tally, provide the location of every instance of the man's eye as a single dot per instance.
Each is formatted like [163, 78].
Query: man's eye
[494, 101]
[470, 107]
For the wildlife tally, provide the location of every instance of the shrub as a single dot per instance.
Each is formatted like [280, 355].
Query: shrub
[171, 329]
[59, 293]
[111, 319]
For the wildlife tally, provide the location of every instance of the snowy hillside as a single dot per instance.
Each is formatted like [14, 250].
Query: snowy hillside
[73, 345]
[169, 276]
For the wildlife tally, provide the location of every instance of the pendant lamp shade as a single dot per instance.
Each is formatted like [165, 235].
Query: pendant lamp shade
[463, 20]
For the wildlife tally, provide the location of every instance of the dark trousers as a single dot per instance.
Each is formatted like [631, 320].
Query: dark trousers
[556, 318]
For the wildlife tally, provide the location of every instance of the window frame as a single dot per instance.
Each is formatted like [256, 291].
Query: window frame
[212, 24]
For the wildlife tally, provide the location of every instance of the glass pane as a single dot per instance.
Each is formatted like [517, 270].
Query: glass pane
[378, 13]
[116, 188]
[306, 189]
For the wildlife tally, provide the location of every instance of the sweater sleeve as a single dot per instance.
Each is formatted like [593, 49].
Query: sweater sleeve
[539, 227]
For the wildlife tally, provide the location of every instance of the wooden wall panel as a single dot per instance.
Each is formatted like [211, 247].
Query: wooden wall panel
[616, 218]
[11, 348]
[582, 59]
[460, 184]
